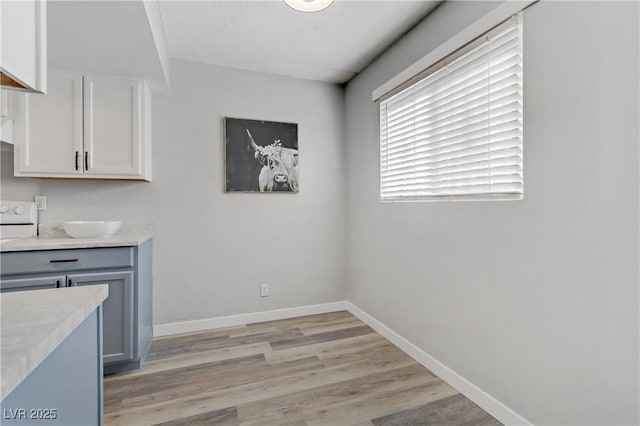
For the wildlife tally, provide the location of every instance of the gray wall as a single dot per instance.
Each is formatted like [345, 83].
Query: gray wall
[534, 301]
[13, 188]
[212, 250]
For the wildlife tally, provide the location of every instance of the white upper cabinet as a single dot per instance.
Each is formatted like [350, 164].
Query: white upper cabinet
[48, 129]
[23, 35]
[113, 135]
[87, 127]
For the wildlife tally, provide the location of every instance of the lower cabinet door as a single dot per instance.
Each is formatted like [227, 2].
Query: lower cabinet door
[117, 309]
[22, 284]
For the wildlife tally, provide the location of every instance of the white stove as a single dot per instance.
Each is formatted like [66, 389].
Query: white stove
[18, 219]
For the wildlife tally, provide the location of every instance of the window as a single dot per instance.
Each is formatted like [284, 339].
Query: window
[455, 130]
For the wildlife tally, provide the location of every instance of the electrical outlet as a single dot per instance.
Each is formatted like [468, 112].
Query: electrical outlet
[41, 202]
[264, 290]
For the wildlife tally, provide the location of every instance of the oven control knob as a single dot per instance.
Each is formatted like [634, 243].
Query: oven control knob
[18, 210]
[3, 208]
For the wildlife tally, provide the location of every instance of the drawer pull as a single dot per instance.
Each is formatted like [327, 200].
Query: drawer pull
[63, 260]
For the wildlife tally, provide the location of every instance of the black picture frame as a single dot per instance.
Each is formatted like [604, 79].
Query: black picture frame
[260, 156]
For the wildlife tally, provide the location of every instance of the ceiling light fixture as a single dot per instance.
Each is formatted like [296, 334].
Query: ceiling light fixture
[309, 5]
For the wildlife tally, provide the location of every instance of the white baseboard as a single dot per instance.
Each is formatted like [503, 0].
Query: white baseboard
[241, 319]
[488, 403]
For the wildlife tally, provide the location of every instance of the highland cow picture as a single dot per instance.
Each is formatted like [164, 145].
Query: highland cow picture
[260, 156]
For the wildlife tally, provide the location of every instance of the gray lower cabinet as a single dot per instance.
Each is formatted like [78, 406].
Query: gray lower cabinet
[38, 283]
[66, 388]
[127, 313]
[118, 320]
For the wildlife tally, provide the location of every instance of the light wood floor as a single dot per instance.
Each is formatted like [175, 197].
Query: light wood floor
[328, 369]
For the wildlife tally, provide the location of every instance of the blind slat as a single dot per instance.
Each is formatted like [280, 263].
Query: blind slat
[476, 133]
[439, 113]
[459, 92]
[461, 66]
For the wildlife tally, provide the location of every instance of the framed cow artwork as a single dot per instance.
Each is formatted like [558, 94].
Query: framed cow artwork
[260, 156]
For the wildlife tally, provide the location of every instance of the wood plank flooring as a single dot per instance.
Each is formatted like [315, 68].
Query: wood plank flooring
[328, 369]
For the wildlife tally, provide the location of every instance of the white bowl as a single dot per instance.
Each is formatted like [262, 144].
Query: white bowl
[91, 229]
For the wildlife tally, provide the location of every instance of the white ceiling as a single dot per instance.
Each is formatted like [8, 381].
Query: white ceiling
[268, 36]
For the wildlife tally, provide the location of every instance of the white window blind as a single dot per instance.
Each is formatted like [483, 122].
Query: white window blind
[456, 132]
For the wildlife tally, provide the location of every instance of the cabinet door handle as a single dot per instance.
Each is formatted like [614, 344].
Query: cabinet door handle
[58, 284]
[86, 161]
[63, 260]
[77, 156]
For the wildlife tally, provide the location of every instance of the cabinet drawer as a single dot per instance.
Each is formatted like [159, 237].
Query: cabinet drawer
[32, 283]
[66, 260]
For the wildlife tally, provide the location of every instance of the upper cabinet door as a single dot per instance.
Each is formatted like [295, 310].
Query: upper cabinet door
[113, 126]
[23, 36]
[49, 129]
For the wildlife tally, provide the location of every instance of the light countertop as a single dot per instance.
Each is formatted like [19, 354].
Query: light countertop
[34, 323]
[52, 237]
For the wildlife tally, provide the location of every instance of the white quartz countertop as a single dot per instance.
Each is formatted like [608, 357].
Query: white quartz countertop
[35, 322]
[52, 237]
